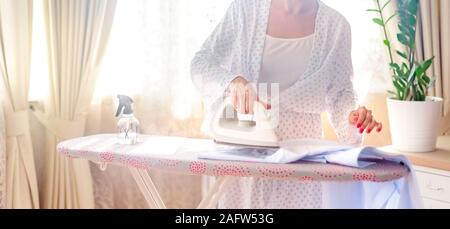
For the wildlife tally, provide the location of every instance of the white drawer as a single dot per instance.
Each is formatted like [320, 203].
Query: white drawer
[434, 186]
[434, 204]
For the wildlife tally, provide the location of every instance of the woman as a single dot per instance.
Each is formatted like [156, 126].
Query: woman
[305, 47]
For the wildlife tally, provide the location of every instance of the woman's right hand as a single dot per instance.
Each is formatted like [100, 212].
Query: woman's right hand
[243, 96]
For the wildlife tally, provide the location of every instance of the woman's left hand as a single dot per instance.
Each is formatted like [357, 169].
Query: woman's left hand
[362, 118]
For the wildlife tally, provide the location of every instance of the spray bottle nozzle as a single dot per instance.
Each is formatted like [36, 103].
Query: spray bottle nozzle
[124, 105]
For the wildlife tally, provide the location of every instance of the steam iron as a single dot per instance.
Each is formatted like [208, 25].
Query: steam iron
[256, 130]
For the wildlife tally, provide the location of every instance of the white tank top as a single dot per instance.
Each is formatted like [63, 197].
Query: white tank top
[285, 60]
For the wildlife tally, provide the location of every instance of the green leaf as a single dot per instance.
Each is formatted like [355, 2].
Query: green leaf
[418, 93]
[415, 93]
[408, 31]
[399, 88]
[412, 7]
[426, 79]
[427, 63]
[403, 39]
[391, 92]
[373, 10]
[401, 85]
[395, 67]
[424, 67]
[402, 54]
[406, 18]
[387, 43]
[405, 70]
[422, 88]
[412, 20]
[401, 81]
[378, 21]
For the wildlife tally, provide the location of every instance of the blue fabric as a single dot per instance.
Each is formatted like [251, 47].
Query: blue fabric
[401, 193]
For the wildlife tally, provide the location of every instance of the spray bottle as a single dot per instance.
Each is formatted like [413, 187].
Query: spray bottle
[128, 125]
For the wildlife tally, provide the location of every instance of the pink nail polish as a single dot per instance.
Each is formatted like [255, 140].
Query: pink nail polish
[358, 126]
[379, 129]
[369, 130]
[361, 131]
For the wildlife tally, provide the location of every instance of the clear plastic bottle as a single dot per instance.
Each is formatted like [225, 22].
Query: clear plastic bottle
[127, 125]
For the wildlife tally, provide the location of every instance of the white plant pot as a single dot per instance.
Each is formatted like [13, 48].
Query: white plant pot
[414, 125]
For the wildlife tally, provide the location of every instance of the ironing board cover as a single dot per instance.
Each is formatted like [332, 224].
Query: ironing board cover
[176, 154]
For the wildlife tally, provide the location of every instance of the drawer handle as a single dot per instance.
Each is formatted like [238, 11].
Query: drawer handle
[434, 188]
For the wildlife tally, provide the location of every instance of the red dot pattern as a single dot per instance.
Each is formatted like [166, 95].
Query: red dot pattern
[231, 170]
[107, 157]
[276, 172]
[306, 178]
[197, 167]
[133, 162]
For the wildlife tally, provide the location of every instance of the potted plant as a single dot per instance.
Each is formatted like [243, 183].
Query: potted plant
[413, 116]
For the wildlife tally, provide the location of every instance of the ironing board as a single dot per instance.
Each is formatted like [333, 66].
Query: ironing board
[176, 154]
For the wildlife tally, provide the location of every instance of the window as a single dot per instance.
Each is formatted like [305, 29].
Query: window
[153, 41]
[368, 51]
[151, 47]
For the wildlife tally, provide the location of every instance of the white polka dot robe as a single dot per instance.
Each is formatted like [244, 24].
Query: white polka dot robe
[235, 48]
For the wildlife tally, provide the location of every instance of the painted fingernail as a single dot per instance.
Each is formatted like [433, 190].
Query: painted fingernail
[359, 125]
[361, 130]
[379, 129]
[369, 130]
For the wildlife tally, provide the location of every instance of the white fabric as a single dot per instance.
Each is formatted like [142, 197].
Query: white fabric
[15, 55]
[17, 124]
[401, 193]
[77, 33]
[58, 127]
[235, 48]
[289, 151]
[284, 60]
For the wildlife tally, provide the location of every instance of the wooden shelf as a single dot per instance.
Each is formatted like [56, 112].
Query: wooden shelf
[439, 159]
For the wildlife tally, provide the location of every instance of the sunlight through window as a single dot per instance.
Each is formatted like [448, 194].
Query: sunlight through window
[152, 43]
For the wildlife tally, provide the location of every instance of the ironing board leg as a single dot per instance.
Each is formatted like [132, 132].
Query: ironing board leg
[154, 200]
[147, 188]
[216, 191]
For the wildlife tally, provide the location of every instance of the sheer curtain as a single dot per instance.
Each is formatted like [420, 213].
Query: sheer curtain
[148, 57]
[15, 56]
[77, 35]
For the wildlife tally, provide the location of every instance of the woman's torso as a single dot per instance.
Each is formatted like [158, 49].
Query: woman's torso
[284, 61]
